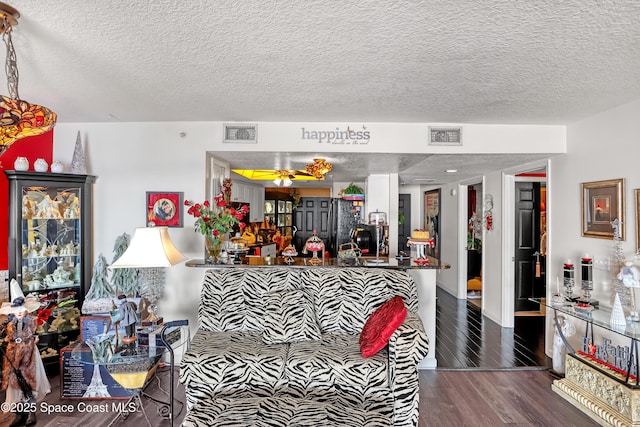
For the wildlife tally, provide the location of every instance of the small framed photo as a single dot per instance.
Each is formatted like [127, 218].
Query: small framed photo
[164, 209]
[602, 204]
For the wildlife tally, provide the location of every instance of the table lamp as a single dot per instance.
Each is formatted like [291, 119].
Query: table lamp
[150, 247]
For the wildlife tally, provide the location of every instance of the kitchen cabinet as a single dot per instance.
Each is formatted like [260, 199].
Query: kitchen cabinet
[239, 193]
[50, 250]
[253, 195]
[280, 214]
[257, 205]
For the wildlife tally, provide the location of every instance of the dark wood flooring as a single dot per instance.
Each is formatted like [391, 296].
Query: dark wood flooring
[487, 376]
[466, 339]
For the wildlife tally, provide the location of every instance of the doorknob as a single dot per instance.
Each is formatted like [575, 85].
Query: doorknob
[537, 255]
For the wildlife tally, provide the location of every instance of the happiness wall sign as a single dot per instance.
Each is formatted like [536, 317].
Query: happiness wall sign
[338, 136]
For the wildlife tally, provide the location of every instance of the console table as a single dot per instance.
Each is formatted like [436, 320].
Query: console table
[601, 374]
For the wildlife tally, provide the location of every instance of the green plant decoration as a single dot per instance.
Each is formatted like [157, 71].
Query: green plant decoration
[295, 196]
[353, 189]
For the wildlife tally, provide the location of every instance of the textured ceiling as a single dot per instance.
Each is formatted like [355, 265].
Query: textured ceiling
[466, 61]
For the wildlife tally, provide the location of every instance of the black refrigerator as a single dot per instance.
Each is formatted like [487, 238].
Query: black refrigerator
[343, 220]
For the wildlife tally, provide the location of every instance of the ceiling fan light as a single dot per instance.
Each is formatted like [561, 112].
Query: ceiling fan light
[287, 182]
[319, 168]
[277, 181]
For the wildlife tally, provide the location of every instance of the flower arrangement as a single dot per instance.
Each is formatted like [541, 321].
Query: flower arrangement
[215, 220]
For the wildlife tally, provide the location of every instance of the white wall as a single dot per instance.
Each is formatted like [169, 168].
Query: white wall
[449, 240]
[604, 146]
[130, 159]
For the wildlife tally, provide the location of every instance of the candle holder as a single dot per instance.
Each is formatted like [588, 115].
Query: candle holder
[586, 266]
[569, 281]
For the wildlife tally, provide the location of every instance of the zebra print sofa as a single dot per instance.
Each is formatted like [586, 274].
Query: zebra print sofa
[270, 336]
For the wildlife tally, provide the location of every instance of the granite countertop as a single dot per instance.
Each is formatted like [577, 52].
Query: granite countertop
[303, 262]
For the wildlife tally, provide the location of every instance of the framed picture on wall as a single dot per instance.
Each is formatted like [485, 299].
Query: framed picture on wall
[432, 220]
[164, 209]
[602, 203]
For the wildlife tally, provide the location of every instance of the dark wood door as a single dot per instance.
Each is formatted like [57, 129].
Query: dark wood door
[311, 214]
[527, 243]
[404, 229]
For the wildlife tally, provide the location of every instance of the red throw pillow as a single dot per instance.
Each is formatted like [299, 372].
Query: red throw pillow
[381, 325]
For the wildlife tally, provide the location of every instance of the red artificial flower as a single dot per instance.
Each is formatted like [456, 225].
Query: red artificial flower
[187, 202]
[240, 215]
[232, 211]
[206, 203]
[245, 209]
[43, 316]
[216, 233]
[242, 225]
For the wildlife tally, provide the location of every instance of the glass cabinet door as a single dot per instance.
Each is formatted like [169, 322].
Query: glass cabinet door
[270, 211]
[50, 250]
[51, 238]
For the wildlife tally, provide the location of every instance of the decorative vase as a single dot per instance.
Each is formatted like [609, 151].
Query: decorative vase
[214, 247]
[57, 167]
[41, 165]
[21, 164]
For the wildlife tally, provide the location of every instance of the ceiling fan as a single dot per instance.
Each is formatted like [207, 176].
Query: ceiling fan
[315, 171]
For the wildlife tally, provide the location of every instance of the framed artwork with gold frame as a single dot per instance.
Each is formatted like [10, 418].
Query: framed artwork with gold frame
[602, 203]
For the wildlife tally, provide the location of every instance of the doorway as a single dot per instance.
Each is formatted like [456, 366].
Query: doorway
[404, 221]
[474, 244]
[529, 244]
[312, 214]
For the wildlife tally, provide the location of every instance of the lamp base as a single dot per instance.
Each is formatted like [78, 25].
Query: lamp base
[152, 320]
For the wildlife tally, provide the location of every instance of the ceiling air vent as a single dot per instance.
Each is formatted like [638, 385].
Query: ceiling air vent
[245, 133]
[445, 136]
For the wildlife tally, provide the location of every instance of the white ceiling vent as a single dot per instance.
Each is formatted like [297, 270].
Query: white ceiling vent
[243, 133]
[445, 136]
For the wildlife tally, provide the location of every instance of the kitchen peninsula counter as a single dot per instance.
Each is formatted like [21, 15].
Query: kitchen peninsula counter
[400, 264]
[424, 276]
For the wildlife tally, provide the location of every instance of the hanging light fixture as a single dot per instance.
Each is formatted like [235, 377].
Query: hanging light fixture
[283, 178]
[319, 168]
[18, 118]
[9, 18]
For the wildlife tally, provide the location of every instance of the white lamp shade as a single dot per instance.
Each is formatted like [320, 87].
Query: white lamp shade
[150, 247]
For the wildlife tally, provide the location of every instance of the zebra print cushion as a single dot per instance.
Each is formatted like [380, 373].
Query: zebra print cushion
[336, 361]
[231, 358]
[407, 346]
[231, 299]
[289, 317]
[280, 412]
[345, 298]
